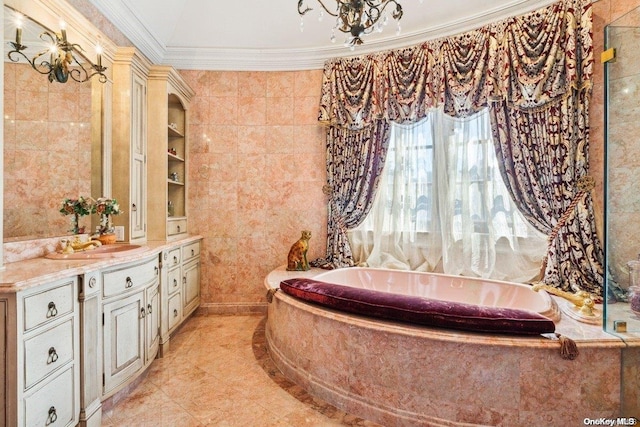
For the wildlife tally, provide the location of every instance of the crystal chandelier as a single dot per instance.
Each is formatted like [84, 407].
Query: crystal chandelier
[357, 17]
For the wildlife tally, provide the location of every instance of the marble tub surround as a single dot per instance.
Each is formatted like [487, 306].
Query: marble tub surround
[399, 374]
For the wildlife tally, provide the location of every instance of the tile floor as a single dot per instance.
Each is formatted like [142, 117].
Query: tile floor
[218, 373]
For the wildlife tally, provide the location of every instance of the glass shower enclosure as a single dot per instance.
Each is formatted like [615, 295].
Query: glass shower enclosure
[622, 175]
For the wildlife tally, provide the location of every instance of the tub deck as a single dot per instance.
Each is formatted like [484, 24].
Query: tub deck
[398, 374]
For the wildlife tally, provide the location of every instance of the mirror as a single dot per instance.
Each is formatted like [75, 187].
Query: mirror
[52, 141]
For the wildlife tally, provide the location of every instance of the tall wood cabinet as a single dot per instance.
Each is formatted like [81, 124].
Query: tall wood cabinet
[129, 147]
[169, 98]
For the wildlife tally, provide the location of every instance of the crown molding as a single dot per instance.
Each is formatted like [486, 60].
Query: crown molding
[203, 58]
[127, 21]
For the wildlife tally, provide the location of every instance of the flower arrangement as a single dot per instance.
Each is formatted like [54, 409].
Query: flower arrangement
[79, 207]
[106, 207]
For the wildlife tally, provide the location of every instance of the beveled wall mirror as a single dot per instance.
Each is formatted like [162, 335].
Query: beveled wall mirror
[54, 140]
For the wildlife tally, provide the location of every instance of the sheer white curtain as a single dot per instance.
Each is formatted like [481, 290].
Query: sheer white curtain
[441, 206]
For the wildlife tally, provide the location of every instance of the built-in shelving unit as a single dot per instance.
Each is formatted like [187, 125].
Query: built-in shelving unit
[168, 153]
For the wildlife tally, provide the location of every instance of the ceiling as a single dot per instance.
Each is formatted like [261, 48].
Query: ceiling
[265, 34]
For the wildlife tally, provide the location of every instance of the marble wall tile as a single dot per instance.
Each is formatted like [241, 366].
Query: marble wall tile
[256, 175]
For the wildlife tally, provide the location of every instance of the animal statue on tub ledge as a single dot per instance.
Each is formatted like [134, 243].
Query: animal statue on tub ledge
[297, 258]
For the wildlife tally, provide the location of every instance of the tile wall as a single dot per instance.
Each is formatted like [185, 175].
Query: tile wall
[257, 167]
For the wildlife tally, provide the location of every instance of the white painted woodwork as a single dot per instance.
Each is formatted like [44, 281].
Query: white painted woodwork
[167, 152]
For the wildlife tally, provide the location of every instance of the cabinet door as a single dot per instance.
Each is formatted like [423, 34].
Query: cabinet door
[123, 339]
[3, 359]
[191, 287]
[153, 321]
[138, 157]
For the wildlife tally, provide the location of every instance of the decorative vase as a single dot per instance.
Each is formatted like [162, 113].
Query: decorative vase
[107, 239]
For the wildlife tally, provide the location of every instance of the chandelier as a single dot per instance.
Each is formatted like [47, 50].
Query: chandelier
[59, 60]
[357, 17]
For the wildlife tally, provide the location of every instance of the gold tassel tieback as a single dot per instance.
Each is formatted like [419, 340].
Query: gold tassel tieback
[568, 347]
[270, 293]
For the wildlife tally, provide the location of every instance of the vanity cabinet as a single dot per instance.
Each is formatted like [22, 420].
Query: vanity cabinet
[131, 318]
[41, 359]
[169, 99]
[129, 145]
[180, 288]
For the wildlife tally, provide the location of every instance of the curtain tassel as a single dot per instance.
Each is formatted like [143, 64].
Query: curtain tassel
[568, 347]
[270, 293]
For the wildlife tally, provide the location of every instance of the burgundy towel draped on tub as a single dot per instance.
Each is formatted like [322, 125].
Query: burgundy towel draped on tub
[419, 310]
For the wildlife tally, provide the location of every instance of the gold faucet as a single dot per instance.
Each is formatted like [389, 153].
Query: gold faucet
[581, 299]
[77, 245]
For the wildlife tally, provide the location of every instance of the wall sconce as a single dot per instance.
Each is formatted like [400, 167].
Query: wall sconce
[60, 60]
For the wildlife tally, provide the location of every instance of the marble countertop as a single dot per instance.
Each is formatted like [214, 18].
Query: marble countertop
[21, 275]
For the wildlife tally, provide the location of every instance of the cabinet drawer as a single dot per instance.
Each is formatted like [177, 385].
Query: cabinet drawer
[190, 251]
[48, 305]
[175, 310]
[131, 277]
[53, 404]
[47, 351]
[173, 280]
[176, 227]
[173, 258]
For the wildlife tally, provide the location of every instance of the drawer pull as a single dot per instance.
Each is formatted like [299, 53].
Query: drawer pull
[178, 227]
[53, 416]
[175, 312]
[92, 282]
[149, 308]
[184, 280]
[193, 252]
[134, 208]
[175, 259]
[142, 313]
[129, 283]
[53, 356]
[175, 283]
[156, 270]
[52, 311]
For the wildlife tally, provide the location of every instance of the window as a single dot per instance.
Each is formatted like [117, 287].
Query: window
[441, 205]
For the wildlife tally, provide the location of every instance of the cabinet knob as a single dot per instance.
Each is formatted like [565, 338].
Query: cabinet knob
[156, 270]
[175, 259]
[52, 311]
[129, 283]
[175, 283]
[178, 227]
[184, 280]
[149, 308]
[175, 312]
[193, 252]
[134, 207]
[52, 417]
[92, 282]
[53, 356]
[142, 313]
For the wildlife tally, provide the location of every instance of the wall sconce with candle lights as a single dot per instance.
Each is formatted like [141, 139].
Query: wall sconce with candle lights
[61, 59]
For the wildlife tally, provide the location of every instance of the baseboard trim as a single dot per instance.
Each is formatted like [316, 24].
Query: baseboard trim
[231, 308]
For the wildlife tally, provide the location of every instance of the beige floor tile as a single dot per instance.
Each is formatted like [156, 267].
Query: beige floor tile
[218, 373]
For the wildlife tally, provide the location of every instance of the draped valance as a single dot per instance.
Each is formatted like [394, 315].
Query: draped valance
[528, 61]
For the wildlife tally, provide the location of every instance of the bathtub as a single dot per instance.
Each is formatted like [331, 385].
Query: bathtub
[445, 287]
[399, 374]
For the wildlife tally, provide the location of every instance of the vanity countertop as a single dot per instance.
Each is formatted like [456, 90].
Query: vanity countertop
[21, 275]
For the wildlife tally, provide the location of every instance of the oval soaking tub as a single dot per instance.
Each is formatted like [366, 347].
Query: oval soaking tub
[398, 374]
